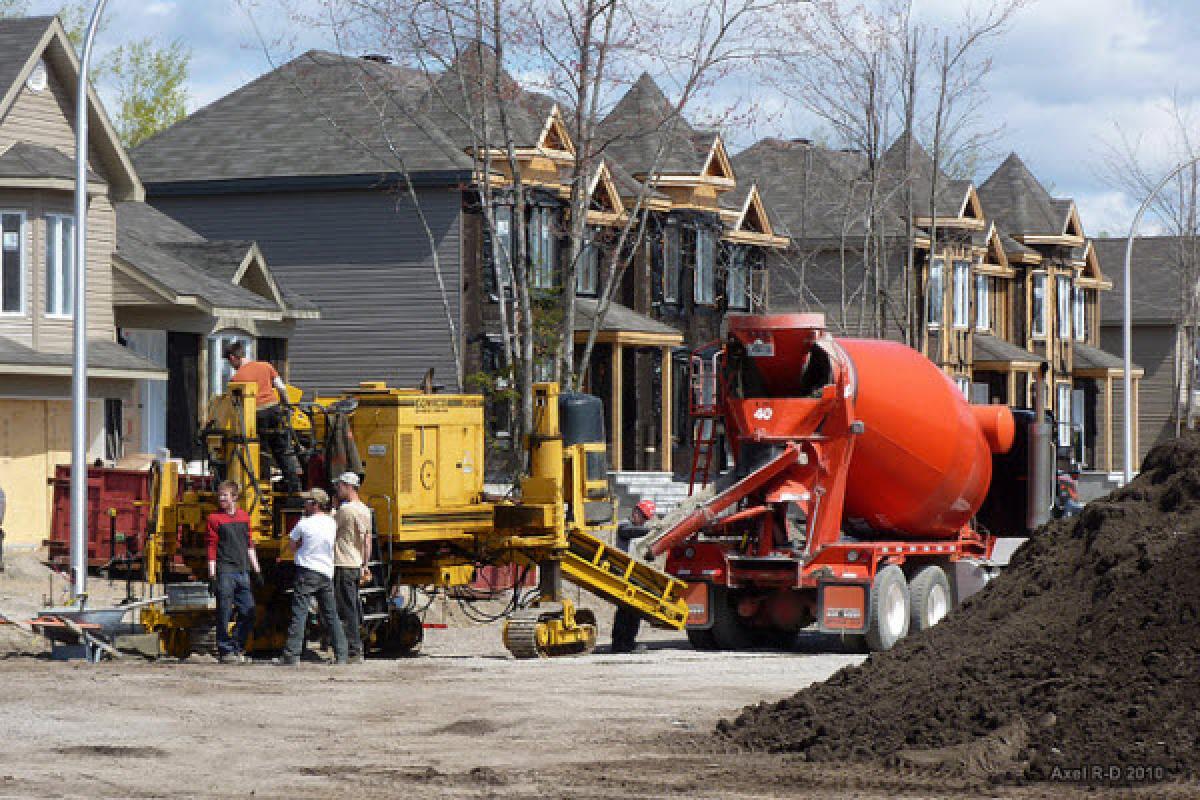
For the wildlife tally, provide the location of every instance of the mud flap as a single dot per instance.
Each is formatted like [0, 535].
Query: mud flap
[842, 607]
[699, 603]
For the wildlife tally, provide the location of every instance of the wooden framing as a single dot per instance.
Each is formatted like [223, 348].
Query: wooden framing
[667, 444]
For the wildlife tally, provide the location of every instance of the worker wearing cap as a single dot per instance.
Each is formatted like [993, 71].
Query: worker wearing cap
[351, 554]
[312, 547]
[626, 622]
[271, 402]
[231, 555]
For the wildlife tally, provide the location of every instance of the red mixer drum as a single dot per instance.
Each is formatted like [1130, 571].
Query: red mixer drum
[923, 464]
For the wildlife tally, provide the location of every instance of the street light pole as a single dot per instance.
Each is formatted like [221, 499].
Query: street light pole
[1127, 325]
[79, 382]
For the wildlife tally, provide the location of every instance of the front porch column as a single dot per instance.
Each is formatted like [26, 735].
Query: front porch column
[668, 396]
[1137, 426]
[618, 400]
[1108, 423]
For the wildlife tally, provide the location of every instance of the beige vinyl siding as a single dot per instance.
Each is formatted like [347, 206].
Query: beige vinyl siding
[45, 118]
[55, 334]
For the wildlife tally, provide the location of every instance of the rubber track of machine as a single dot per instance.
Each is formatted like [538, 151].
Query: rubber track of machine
[521, 633]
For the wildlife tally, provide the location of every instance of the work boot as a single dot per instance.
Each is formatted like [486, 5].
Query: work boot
[355, 659]
[231, 658]
[286, 661]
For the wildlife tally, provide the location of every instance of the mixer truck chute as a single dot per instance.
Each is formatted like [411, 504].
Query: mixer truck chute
[859, 471]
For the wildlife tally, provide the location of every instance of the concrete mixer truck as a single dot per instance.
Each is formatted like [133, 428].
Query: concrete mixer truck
[867, 495]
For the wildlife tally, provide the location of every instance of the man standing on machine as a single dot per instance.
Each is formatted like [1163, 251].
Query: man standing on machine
[626, 622]
[351, 554]
[272, 410]
[231, 556]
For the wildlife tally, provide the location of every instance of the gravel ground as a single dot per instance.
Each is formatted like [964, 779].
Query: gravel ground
[461, 720]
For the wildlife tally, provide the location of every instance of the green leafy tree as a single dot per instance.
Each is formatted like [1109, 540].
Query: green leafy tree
[151, 86]
[149, 80]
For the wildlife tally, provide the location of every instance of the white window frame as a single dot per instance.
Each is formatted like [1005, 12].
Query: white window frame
[1037, 294]
[219, 370]
[936, 291]
[964, 386]
[62, 305]
[983, 302]
[1062, 413]
[502, 249]
[737, 280]
[587, 271]
[671, 266]
[704, 280]
[962, 294]
[543, 248]
[23, 266]
[1062, 293]
[1079, 313]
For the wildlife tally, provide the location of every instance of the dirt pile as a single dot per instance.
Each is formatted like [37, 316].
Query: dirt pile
[1083, 655]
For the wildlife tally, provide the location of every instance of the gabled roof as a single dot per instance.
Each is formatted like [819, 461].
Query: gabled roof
[1088, 358]
[747, 215]
[24, 42]
[1014, 198]
[319, 115]
[1158, 270]
[186, 269]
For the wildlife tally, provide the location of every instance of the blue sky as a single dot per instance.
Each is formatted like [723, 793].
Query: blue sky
[1064, 76]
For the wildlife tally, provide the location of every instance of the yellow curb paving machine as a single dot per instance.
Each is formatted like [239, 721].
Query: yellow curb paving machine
[423, 462]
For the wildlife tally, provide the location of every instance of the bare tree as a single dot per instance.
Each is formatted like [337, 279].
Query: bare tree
[1135, 165]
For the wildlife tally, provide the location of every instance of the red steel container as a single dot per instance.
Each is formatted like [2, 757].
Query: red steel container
[127, 491]
[923, 464]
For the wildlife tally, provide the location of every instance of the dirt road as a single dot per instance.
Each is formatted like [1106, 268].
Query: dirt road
[448, 724]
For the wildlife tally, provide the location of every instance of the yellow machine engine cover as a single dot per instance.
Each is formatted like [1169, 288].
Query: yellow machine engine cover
[424, 457]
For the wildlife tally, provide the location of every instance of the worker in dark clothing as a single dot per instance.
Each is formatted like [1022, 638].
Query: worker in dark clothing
[272, 408]
[626, 622]
[232, 559]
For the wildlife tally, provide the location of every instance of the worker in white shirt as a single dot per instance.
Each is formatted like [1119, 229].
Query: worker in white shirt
[312, 543]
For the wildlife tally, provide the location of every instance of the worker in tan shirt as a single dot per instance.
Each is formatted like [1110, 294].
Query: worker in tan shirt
[271, 402]
[351, 554]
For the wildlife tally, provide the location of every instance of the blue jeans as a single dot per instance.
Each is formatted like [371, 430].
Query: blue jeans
[233, 594]
[307, 585]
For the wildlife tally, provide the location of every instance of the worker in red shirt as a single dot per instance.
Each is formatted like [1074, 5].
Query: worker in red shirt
[273, 408]
[231, 561]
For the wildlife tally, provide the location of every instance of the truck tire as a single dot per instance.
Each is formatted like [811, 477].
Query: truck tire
[728, 630]
[889, 612]
[701, 639]
[929, 597]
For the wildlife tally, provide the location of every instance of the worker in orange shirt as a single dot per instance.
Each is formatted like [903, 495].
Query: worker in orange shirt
[273, 408]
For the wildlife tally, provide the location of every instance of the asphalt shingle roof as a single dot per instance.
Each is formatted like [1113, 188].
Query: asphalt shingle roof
[187, 264]
[1158, 270]
[28, 160]
[102, 354]
[619, 318]
[950, 193]
[18, 37]
[1015, 199]
[321, 114]
[1088, 357]
[644, 121]
[457, 100]
[991, 348]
